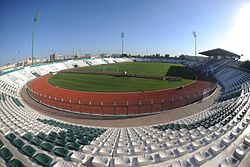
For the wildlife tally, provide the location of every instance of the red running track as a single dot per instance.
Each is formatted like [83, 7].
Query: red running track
[117, 103]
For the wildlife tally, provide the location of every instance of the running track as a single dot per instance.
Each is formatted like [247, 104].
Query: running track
[116, 103]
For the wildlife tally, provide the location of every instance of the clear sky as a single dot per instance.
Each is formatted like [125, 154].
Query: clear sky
[95, 26]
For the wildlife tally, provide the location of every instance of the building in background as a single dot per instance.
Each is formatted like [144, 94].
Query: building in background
[56, 57]
[103, 55]
[28, 61]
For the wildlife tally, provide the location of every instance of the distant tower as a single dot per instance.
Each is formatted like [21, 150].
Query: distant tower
[195, 44]
[122, 36]
[34, 26]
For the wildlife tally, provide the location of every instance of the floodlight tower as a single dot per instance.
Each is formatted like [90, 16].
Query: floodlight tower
[195, 43]
[34, 26]
[122, 36]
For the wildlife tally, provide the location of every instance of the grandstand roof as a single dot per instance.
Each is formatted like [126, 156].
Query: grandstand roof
[220, 52]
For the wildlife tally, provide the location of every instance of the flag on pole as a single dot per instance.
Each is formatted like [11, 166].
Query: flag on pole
[194, 34]
[37, 17]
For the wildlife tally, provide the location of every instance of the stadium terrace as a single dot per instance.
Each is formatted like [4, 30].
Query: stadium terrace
[203, 121]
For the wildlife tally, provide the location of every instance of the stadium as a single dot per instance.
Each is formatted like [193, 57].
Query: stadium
[135, 97]
[196, 115]
[124, 83]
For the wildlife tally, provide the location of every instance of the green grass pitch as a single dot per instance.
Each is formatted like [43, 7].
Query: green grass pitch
[106, 83]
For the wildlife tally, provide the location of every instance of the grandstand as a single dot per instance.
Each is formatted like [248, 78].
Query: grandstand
[216, 136]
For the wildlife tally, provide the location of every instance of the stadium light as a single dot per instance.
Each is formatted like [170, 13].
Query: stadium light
[122, 36]
[34, 26]
[195, 43]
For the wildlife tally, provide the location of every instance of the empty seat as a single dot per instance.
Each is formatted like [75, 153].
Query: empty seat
[63, 164]
[28, 150]
[202, 157]
[77, 156]
[145, 159]
[61, 152]
[186, 163]
[41, 135]
[231, 161]
[18, 143]
[43, 159]
[228, 140]
[198, 143]
[6, 154]
[171, 144]
[217, 148]
[100, 161]
[156, 158]
[47, 146]
[175, 164]
[122, 161]
[10, 137]
[166, 155]
[50, 139]
[90, 149]
[183, 150]
[80, 157]
[210, 138]
[60, 142]
[73, 146]
[247, 140]
[106, 151]
[241, 151]
[27, 136]
[15, 163]
[36, 141]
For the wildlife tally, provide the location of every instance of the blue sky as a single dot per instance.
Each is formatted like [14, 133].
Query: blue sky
[94, 26]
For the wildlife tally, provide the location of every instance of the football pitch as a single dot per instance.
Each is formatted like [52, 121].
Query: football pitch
[107, 83]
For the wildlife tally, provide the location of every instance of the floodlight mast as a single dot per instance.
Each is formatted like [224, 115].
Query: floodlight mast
[195, 43]
[122, 36]
[33, 33]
